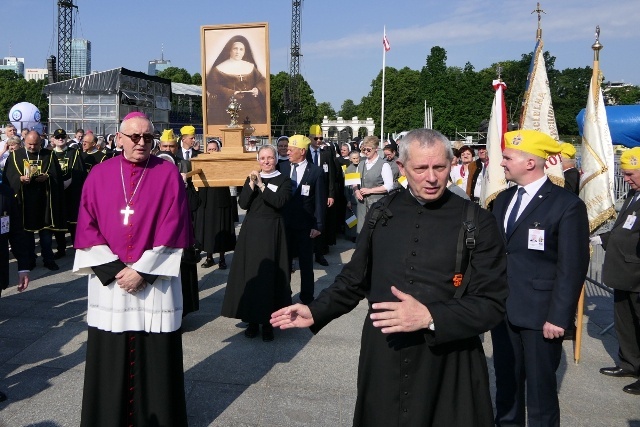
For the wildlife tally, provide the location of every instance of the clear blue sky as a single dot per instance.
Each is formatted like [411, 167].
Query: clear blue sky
[341, 40]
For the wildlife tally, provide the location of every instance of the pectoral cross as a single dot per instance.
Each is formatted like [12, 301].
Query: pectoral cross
[126, 212]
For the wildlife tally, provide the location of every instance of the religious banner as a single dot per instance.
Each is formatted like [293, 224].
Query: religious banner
[493, 179]
[235, 64]
[537, 109]
[597, 159]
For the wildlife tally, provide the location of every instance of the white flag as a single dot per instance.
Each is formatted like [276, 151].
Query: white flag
[537, 111]
[597, 161]
[493, 180]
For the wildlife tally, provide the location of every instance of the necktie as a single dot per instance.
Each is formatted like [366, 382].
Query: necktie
[187, 155]
[315, 157]
[514, 212]
[294, 177]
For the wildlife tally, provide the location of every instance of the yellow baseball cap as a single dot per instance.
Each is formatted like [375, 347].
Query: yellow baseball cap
[187, 130]
[167, 135]
[630, 159]
[567, 151]
[299, 141]
[532, 141]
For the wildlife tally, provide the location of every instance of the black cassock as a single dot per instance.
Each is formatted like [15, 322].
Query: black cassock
[258, 281]
[72, 167]
[422, 378]
[214, 228]
[41, 203]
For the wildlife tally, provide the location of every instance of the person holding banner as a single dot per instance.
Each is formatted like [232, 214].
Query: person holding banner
[546, 234]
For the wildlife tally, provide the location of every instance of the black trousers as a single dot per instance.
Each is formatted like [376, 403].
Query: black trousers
[46, 238]
[300, 244]
[626, 316]
[525, 361]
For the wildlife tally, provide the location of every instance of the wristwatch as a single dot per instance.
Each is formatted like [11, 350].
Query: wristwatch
[431, 326]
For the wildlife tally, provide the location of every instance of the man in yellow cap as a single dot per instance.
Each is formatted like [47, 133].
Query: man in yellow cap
[187, 140]
[571, 174]
[304, 213]
[323, 157]
[621, 271]
[546, 234]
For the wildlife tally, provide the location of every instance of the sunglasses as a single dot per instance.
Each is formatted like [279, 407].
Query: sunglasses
[59, 137]
[318, 138]
[135, 137]
[366, 150]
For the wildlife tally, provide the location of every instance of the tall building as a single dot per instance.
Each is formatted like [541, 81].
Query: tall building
[80, 57]
[14, 64]
[157, 65]
[35, 74]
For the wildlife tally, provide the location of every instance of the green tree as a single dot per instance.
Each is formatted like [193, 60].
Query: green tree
[348, 110]
[196, 79]
[15, 89]
[569, 91]
[176, 75]
[280, 113]
[325, 109]
[627, 95]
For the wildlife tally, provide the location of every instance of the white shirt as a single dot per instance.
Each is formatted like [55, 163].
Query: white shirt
[386, 173]
[302, 166]
[530, 190]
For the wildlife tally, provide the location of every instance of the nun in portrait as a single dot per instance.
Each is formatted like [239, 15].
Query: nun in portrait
[234, 73]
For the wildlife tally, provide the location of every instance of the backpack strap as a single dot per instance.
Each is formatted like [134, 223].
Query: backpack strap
[466, 243]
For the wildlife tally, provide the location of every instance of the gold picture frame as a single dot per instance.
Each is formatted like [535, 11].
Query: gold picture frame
[235, 61]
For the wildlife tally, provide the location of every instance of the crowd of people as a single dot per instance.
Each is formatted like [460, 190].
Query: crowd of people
[515, 271]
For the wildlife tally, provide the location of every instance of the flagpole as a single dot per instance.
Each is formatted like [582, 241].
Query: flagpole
[384, 57]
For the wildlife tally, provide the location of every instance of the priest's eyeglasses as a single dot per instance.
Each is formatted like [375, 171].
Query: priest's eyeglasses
[135, 137]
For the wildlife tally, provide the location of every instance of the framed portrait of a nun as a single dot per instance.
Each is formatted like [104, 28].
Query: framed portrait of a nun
[235, 63]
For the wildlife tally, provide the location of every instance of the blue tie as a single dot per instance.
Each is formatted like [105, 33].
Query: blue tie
[514, 212]
[294, 177]
[315, 157]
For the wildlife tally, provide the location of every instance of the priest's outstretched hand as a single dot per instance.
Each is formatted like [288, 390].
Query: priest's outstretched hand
[294, 316]
[408, 315]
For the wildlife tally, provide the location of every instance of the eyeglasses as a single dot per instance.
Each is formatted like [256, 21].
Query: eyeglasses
[366, 150]
[58, 137]
[318, 138]
[135, 137]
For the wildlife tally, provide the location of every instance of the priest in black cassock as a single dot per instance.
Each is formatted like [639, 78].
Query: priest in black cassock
[35, 176]
[73, 176]
[421, 359]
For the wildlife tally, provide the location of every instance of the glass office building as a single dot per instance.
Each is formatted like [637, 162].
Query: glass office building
[80, 57]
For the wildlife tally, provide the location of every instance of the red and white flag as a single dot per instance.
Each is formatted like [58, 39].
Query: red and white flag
[385, 43]
[493, 179]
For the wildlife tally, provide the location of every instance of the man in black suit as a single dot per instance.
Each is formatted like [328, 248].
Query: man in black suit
[323, 157]
[11, 230]
[304, 212]
[621, 271]
[187, 141]
[571, 174]
[546, 233]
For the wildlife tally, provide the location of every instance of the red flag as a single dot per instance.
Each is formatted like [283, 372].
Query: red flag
[385, 43]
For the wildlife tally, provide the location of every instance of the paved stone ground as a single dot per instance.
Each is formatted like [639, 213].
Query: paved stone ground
[296, 380]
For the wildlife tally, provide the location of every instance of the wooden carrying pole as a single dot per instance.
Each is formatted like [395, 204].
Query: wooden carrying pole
[228, 167]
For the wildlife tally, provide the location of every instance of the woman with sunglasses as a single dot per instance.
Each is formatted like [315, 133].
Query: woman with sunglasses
[376, 178]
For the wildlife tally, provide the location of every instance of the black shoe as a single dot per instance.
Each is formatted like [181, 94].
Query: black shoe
[617, 371]
[51, 265]
[252, 330]
[222, 265]
[3, 397]
[632, 388]
[322, 261]
[60, 254]
[207, 263]
[267, 333]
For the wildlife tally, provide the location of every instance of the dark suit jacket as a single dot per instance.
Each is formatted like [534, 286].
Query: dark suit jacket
[621, 268]
[16, 236]
[544, 286]
[305, 212]
[194, 153]
[572, 180]
[329, 173]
